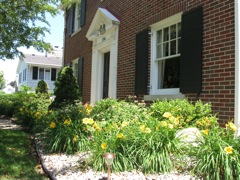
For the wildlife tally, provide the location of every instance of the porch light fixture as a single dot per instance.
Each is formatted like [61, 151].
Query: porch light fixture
[108, 157]
[101, 30]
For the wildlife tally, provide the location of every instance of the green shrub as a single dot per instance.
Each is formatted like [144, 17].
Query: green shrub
[30, 107]
[66, 89]
[7, 105]
[184, 111]
[65, 129]
[218, 156]
[42, 87]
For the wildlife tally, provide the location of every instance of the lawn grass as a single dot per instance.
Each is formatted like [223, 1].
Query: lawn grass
[17, 159]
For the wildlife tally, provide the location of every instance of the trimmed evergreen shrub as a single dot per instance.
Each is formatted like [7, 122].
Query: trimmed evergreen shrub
[42, 87]
[66, 89]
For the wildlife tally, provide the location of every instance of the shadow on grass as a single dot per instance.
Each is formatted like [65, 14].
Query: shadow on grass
[17, 158]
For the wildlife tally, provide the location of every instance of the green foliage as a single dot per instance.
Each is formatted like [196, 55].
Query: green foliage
[118, 111]
[7, 104]
[42, 87]
[218, 156]
[25, 89]
[142, 138]
[19, 18]
[66, 89]
[2, 80]
[184, 111]
[32, 108]
[66, 130]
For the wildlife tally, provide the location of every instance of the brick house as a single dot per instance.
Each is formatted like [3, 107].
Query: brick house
[156, 49]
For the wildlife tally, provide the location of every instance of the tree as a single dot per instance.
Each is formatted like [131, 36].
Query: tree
[18, 26]
[2, 80]
[42, 87]
[66, 89]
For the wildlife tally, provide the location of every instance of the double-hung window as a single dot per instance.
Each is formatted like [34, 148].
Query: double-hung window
[165, 56]
[77, 16]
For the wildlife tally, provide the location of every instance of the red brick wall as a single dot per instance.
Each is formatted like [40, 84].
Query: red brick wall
[136, 15]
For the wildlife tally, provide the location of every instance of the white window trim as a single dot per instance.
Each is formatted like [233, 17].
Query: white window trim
[154, 69]
[44, 75]
[76, 20]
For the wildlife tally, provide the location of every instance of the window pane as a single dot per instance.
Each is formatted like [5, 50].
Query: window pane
[179, 29]
[160, 74]
[173, 32]
[159, 36]
[165, 49]
[173, 47]
[47, 74]
[41, 73]
[159, 51]
[171, 76]
[165, 34]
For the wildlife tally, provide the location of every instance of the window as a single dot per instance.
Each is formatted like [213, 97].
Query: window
[20, 78]
[165, 60]
[25, 74]
[47, 74]
[77, 16]
[44, 74]
[41, 73]
[53, 74]
[35, 73]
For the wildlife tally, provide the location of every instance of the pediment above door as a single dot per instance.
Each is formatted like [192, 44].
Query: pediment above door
[103, 22]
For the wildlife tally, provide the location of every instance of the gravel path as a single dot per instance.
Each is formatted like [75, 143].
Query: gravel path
[66, 167]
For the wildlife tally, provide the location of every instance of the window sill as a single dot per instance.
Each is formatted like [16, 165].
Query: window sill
[163, 96]
[75, 32]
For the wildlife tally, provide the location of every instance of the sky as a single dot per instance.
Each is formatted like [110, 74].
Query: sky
[55, 38]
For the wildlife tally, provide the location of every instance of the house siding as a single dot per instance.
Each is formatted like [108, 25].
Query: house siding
[31, 82]
[135, 16]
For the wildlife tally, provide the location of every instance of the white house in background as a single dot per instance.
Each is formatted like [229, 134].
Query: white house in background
[39, 66]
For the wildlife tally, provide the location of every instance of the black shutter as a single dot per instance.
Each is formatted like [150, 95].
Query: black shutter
[53, 74]
[35, 73]
[141, 62]
[191, 51]
[83, 13]
[80, 74]
[71, 19]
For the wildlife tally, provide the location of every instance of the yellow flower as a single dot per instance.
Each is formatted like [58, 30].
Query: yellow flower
[124, 123]
[167, 114]
[20, 109]
[67, 122]
[88, 108]
[163, 123]
[205, 131]
[170, 126]
[231, 126]
[52, 125]
[97, 127]
[74, 138]
[148, 130]
[228, 150]
[119, 136]
[85, 120]
[90, 121]
[104, 145]
[142, 127]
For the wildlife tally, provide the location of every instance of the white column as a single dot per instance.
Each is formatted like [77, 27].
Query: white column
[237, 67]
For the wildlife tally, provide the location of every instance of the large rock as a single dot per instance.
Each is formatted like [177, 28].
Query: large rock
[189, 136]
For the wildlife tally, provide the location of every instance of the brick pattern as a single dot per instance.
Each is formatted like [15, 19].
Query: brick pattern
[135, 16]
